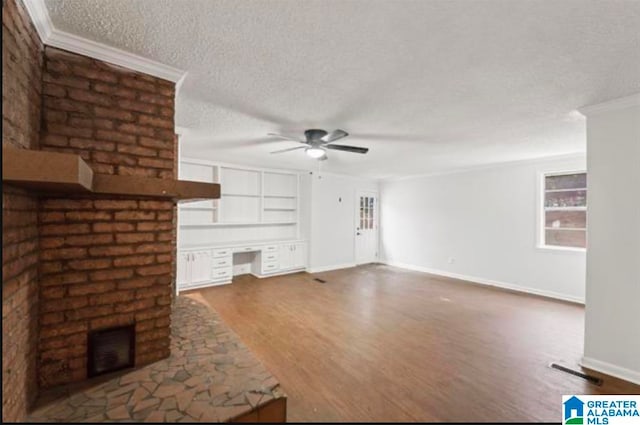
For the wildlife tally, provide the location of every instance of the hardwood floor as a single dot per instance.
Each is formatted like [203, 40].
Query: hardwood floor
[376, 343]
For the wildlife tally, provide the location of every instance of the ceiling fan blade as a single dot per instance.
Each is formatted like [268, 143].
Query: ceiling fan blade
[290, 149]
[284, 137]
[354, 149]
[334, 135]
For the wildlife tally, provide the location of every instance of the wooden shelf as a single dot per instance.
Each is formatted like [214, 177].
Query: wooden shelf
[49, 171]
[565, 208]
[241, 195]
[60, 172]
[578, 189]
[239, 224]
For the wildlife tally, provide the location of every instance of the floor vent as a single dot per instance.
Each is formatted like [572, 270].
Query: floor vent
[593, 379]
[319, 280]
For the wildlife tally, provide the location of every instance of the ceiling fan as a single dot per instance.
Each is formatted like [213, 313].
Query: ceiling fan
[318, 141]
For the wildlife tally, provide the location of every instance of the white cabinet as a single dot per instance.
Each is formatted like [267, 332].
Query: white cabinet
[222, 265]
[194, 268]
[269, 259]
[214, 266]
[300, 255]
[201, 267]
[293, 256]
[183, 274]
[285, 256]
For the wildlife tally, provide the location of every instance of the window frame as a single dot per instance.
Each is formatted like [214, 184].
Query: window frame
[541, 216]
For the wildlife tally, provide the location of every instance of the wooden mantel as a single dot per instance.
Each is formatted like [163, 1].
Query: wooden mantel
[44, 171]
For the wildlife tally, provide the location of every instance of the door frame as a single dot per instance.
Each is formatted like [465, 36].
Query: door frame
[376, 219]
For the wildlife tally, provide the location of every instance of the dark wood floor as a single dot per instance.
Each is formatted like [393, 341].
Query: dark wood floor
[375, 343]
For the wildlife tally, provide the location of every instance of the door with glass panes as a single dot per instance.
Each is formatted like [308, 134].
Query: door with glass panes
[366, 227]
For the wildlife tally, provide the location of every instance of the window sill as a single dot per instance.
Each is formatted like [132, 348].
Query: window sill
[553, 248]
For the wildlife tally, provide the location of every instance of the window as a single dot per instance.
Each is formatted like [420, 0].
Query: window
[564, 216]
[367, 216]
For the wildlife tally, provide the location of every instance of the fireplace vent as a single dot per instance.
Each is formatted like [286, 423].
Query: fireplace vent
[111, 349]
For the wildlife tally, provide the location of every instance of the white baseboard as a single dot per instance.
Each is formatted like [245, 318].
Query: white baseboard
[488, 282]
[264, 276]
[611, 369]
[331, 267]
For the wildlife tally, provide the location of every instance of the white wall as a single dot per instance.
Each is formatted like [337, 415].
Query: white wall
[612, 322]
[332, 218]
[486, 221]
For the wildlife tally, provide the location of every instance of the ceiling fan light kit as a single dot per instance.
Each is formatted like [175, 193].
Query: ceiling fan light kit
[318, 141]
[315, 152]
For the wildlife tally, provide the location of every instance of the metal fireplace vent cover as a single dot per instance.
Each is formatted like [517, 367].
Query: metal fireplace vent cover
[111, 349]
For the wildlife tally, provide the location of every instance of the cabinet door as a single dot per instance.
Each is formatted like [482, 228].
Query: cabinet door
[184, 267]
[201, 267]
[299, 256]
[285, 256]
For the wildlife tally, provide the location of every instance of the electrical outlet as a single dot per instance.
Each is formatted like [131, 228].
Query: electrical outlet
[451, 260]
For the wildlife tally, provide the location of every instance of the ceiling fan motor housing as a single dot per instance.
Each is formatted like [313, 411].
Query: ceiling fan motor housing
[314, 135]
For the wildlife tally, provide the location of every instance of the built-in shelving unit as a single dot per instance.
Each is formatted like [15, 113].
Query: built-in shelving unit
[253, 227]
[255, 204]
[231, 224]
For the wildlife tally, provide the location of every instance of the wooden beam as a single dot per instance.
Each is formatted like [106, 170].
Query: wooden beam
[69, 173]
[42, 170]
[154, 187]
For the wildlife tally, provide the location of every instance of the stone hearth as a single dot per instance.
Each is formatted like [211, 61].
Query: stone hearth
[210, 376]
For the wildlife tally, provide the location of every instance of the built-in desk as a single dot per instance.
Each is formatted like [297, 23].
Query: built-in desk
[208, 265]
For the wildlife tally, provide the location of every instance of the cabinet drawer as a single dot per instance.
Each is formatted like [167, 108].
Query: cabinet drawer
[220, 262]
[270, 248]
[269, 267]
[269, 257]
[221, 274]
[224, 252]
[245, 249]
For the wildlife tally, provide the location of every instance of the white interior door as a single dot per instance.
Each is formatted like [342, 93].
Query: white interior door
[366, 227]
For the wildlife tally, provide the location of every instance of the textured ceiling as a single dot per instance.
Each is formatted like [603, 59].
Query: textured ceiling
[426, 85]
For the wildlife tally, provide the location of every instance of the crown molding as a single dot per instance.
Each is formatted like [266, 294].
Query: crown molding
[40, 17]
[527, 161]
[63, 40]
[611, 105]
[75, 44]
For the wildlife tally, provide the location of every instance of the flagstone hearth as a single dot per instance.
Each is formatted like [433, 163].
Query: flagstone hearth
[209, 376]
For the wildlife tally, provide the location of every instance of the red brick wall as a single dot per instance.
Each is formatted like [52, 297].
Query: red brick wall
[108, 261]
[21, 101]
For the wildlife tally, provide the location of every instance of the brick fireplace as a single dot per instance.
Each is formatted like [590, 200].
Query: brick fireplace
[104, 261]
[77, 263]
[89, 238]
[21, 86]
